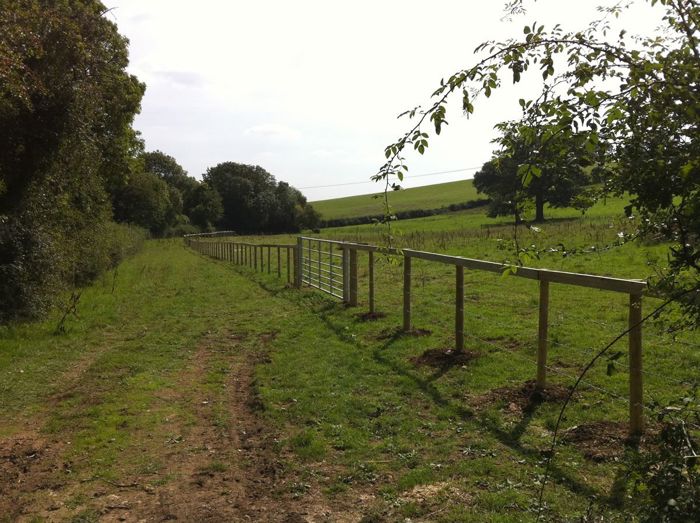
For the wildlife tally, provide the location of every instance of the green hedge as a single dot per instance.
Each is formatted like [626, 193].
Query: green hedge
[37, 263]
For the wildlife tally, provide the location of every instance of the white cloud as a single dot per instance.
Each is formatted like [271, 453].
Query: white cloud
[273, 132]
[181, 78]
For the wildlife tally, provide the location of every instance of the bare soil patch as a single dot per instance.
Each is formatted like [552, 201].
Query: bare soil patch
[221, 462]
[521, 399]
[444, 358]
[600, 440]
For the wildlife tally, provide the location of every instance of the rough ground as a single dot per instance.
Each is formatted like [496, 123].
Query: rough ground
[221, 464]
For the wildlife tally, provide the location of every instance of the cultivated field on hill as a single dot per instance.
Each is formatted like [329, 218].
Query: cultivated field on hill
[428, 197]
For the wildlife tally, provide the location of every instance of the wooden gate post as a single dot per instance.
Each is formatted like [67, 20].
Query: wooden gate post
[346, 276]
[353, 277]
[330, 268]
[459, 308]
[542, 336]
[289, 261]
[371, 281]
[320, 281]
[297, 263]
[406, 292]
[635, 363]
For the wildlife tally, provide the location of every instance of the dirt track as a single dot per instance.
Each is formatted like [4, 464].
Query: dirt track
[224, 469]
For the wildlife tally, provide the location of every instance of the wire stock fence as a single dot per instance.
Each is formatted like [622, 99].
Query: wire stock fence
[333, 266]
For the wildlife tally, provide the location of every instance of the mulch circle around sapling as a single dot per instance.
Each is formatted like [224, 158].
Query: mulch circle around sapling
[522, 398]
[444, 358]
[600, 440]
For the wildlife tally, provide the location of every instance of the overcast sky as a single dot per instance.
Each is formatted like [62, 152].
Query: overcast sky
[310, 90]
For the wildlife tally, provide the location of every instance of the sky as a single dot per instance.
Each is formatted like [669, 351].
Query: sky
[310, 90]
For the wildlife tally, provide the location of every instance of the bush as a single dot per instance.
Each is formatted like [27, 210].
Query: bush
[666, 479]
[36, 263]
[28, 265]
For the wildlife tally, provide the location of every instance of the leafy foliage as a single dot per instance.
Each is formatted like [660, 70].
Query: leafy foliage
[636, 98]
[537, 166]
[666, 480]
[67, 103]
[253, 200]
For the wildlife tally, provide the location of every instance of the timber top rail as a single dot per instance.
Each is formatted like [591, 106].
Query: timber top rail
[593, 281]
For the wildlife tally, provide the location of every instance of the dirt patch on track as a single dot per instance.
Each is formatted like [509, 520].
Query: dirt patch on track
[218, 460]
[28, 463]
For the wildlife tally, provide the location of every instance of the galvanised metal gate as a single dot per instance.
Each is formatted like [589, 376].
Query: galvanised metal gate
[323, 265]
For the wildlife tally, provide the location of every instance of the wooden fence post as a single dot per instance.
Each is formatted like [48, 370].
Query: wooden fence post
[371, 281]
[346, 275]
[459, 308]
[330, 268]
[635, 363]
[297, 263]
[269, 250]
[353, 277]
[542, 336]
[320, 284]
[289, 277]
[279, 262]
[308, 262]
[406, 292]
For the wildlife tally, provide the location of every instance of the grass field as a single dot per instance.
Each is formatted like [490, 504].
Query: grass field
[187, 383]
[428, 197]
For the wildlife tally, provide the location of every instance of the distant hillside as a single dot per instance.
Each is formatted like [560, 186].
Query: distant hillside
[428, 197]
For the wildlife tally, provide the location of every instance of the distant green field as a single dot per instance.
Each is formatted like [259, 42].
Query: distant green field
[428, 197]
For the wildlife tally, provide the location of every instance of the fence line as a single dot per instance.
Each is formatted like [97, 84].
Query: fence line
[312, 261]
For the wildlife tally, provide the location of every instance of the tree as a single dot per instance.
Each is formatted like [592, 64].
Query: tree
[204, 207]
[638, 99]
[560, 180]
[167, 169]
[66, 108]
[253, 200]
[146, 201]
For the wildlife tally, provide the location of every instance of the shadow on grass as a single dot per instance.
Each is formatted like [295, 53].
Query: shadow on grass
[510, 439]
[326, 308]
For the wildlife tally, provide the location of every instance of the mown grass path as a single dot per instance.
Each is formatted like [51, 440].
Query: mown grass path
[144, 409]
[191, 389]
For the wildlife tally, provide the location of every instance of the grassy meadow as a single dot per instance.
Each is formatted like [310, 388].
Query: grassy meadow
[427, 197]
[360, 429]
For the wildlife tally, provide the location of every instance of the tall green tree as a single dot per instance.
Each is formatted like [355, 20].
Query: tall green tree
[204, 207]
[66, 108]
[558, 161]
[253, 200]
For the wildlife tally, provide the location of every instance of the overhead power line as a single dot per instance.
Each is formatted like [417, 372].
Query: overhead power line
[410, 175]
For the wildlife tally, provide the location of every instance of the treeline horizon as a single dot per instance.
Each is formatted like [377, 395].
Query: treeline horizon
[164, 199]
[78, 191]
